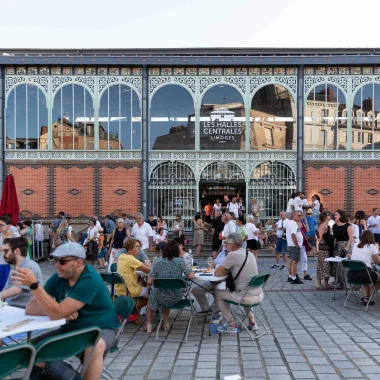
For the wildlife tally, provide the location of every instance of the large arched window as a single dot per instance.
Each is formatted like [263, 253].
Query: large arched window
[366, 118]
[325, 119]
[73, 118]
[222, 119]
[272, 119]
[26, 118]
[172, 119]
[119, 119]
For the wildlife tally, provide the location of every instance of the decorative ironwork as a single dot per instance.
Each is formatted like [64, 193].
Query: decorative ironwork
[206, 82]
[372, 192]
[189, 82]
[256, 82]
[28, 191]
[240, 82]
[120, 192]
[337, 155]
[357, 81]
[291, 82]
[70, 155]
[222, 172]
[74, 192]
[155, 82]
[325, 192]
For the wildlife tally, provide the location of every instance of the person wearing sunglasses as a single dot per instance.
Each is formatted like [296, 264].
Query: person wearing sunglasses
[76, 292]
[16, 253]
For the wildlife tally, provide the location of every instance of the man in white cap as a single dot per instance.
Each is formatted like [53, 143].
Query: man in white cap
[76, 292]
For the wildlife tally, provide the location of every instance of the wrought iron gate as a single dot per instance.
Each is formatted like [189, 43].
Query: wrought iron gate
[271, 183]
[172, 188]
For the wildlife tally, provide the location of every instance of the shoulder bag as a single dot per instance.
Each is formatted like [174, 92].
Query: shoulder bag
[230, 281]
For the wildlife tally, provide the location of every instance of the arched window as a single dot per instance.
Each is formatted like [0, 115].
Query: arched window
[26, 118]
[119, 119]
[222, 119]
[325, 119]
[365, 124]
[172, 119]
[272, 119]
[73, 119]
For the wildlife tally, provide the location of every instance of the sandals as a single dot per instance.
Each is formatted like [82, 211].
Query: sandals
[365, 301]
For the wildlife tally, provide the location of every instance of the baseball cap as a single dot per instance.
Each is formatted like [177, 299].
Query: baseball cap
[70, 249]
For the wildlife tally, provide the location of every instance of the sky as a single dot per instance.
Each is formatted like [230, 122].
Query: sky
[189, 23]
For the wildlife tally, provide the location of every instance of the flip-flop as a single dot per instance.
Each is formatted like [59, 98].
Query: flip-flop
[367, 299]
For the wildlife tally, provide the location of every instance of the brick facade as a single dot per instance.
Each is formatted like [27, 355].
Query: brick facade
[345, 185]
[80, 190]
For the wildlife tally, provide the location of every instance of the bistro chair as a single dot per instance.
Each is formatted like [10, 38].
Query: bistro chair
[13, 358]
[358, 265]
[256, 281]
[164, 284]
[112, 279]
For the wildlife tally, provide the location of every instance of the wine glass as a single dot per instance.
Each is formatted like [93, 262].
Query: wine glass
[209, 261]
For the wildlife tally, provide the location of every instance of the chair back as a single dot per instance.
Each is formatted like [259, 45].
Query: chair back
[112, 278]
[354, 264]
[17, 357]
[169, 283]
[259, 280]
[113, 268]
[124, 306]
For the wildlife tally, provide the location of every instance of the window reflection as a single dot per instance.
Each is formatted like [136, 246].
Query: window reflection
[325, 119]
[222, 119]
[73, 119]
[26, 118]
[172, 119]
[119, 119]
[272, 119]
[366, 118]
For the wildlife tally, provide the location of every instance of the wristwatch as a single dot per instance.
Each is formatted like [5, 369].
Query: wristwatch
[34, 286]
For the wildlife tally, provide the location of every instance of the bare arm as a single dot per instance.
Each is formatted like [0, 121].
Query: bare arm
[11, 292]
[150, 243]
[365, 224]
[294, 238]
[321, 230]
[221, 271]
[68, 234]
[111, 243]
[33, 308]
[144, 268]
[350, 232]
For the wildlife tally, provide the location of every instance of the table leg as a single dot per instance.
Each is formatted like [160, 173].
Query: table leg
[29, 336]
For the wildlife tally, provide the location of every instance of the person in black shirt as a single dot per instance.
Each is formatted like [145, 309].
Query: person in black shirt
[217, 227]
[152, 222]
[225, 203]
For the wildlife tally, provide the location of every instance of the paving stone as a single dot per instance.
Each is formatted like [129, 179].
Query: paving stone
[182, 370]
[205, 372]
[303, 375]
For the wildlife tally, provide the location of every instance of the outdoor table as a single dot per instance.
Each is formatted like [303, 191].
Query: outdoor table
[10, 315]
[338, 261]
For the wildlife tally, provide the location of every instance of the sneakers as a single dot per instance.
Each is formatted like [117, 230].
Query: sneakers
[216, 318]
[296, 281]
[274, 266]
[289, 279]
[283, 267]
[226, 328]
[252, 327]
[307, 277]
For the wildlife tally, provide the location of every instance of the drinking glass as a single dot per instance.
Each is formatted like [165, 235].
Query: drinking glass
[209, 261]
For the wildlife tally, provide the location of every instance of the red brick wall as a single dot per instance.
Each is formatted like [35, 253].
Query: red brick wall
[80, 190]
[347, 185]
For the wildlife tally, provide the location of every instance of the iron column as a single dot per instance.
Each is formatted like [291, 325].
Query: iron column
[300, 130]
[145, 134]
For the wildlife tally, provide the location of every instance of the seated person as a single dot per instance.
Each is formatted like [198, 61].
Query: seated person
[141, 256]
[368, 252]
[200, 293]
[182, 253]
[233, 263]
[16, 253]
[76, 292]
[169, 266]
[161, 239]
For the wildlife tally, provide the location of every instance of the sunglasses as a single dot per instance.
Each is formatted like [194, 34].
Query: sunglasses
[62, 261]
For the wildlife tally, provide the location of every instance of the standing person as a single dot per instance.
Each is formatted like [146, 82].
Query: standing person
[326, 248]
[217, 226]
[241, 207]
[117, 239]
[91, 241]
[27, 233]
[229, 225]
[253, 236]
[373, 224]
[316, 205]
[225, 202]
[198, 232]
[310, 234]
[110, 224]
[217, 207]
[294, 240]
[302, 224]
[281, 246]
[290, 207]
[298, 202]
[127, 222]
[38, 238]
[63, 233]
[305, 202]
[178, 227]
[101, 249]
[233, 206]
[255, 209]
[142, 231]
[242, 231]
[208, 211]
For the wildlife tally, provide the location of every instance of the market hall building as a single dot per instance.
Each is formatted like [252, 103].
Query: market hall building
[167, 130]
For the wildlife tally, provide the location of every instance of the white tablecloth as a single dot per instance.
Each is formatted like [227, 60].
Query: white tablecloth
[10, 315]
[199, 277]
[334, 259]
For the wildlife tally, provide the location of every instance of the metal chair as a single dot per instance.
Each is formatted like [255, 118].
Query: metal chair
[256, 281]
[13, 358]
[113, 279]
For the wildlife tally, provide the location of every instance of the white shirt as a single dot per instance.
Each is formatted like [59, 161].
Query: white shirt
[373, 220]
[317, 205]
[218, 208]
[297, 204]
[305, 202]
[281, 224]
[251, 229]
[292, 228]
[97, 225]
[229, 228]
[142, 233]
[234, 207]
[289, 208]
[13, 229]
[355, 229]
[330, 224]
[364, 254]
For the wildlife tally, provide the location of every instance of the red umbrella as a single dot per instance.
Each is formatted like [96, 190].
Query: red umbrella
[9, 202]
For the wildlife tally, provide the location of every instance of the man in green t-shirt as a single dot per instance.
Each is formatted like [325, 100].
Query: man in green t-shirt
[76, 292]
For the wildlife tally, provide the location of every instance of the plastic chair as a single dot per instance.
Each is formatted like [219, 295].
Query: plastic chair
[358, 265]
[67, 345]
[113, 268]
[13, 358]
[256, 281]
[112, 279]
[172, 284]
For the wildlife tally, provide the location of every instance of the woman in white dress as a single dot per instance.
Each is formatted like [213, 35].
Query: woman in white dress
[217, 207]
[316, 205]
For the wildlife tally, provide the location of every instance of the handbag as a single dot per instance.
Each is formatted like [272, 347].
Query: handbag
[306, 243]
[92, 250]
[230, 281]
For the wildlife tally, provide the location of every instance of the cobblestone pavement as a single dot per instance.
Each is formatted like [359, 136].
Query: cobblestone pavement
[312, 337]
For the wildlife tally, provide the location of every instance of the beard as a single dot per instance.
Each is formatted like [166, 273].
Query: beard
[10, 259]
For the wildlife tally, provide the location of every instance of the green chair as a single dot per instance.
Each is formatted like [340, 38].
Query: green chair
[123, 307]
[13, 358]
[256, 281]
[113, 279]
[67, 345]
[358, 265]
[113, 268]
[172, 284]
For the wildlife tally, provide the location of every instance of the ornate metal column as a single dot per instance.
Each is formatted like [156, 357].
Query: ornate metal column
[2, 125]
[145, 145]
[300, 129]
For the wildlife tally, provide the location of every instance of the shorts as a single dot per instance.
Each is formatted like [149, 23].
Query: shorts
[362, 275]
[312, 240]
[216, 245]
[102, 253]
[294, 253]
[281, 246]
[253, 244]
